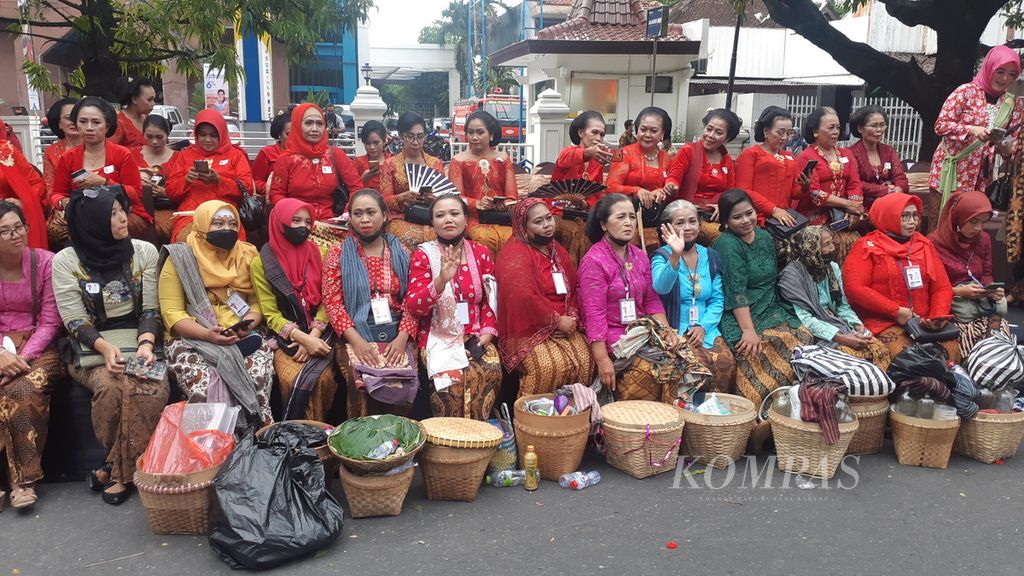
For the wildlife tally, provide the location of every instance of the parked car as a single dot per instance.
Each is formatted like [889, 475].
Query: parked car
[170, 113]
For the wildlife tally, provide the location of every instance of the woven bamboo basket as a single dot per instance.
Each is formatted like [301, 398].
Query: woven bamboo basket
[323, 451]
[454, 459]
[365, 467]
[922, 442]
[801, 449]
[990, 437]
[872, 412]
[719, 440]
[370, 496]
[642, 437]
[559, 441]
[176, 503]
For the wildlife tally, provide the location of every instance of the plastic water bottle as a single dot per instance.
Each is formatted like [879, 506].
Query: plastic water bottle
[384, 450]
[1005, 400]
[532, 479]
[579, 480]
[507, 478]
[906, 405]
[926, 408]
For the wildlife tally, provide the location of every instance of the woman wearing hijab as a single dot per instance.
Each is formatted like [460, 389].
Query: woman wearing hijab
[965, 250]
[366, 280]
[310, 169]
[105, 288]
[894, 274]
[813, 284]
[210, 309]
[210, 169]
[286, 274]
[968, 123]
[21, 185]
[538, 315]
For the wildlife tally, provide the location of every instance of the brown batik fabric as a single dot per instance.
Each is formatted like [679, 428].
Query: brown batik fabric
[475, 395]
[193, 373]
[25, 415]
[322, 398]
[554, 363]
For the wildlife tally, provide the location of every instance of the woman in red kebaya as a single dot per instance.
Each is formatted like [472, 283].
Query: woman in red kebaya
[136, 103]
[768, 172]
[643, 170]
[881, 171]
[22, 186]
[394, 181]
[152, 158]
[210, 169]
[310, 169]
[588, 155]
[263, 166]
[58, 119]
[374, 137]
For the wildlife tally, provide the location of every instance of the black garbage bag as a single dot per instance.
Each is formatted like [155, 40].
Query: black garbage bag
[271, 505]
[311, 436]
[922, 360]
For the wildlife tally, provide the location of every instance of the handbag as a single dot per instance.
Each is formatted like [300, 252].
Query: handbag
[782, 232]
[999, 191]
[918, 333]
[251, 209]
[340, 194]
[418, 214]
[495, 217]
[74, 353]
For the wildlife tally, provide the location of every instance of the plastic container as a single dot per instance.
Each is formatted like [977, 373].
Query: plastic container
[943, 412]
[531, 481]
[1005, 400]
[906, 405]
[579, 480]
[506, 478]
[384, 450]
[986, 399]
[926, 408]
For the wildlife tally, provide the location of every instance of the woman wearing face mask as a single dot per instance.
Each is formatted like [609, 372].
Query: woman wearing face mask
[538, 313]
[486, 178]
[394, 181]
[210, 169]
[137, 102]
[263, 166]
[374, 137]
[614, 291]
[210, 309]
[588, 155]
[881, 171]
[813, 284]
[965, 250]
[894, 273]
[366, 281]
[835, 191]
[768, 172]
[286, 275]
[310, 169]
[760, 330]
[688, 277]
[105, 288]
[456, 324]
[58, 120]
[31, 368]
[152, 158]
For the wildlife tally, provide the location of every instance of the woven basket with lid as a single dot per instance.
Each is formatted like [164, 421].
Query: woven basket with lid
[642, 437]
[719, 440]
[454, 459]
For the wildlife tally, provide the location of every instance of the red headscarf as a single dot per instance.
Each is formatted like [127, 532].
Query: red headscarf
[301, 264]
[296, 144]
[996, 58]
[11, 176]
[215, 119]
[886, 214]
[519, 212]
[959, 209]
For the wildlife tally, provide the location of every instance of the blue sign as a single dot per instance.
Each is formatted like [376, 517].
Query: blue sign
[657, 22]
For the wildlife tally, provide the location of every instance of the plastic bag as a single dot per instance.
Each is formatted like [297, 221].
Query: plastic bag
[996, 362]
[271, 504]
[506, 458]
[921, 360]
[713, 407]
[187, 440]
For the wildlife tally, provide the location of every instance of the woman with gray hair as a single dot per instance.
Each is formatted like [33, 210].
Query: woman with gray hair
[688, 278]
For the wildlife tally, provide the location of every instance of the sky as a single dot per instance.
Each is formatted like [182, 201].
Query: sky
[398, 22]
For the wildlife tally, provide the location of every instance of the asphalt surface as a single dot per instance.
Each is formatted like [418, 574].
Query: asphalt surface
[874, 517]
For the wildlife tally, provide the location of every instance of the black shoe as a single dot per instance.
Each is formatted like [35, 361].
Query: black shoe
[118, 498]
[93, 479]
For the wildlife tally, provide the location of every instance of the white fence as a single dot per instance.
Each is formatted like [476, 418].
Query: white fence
[516, 151]
[905, 124]
[254, 141]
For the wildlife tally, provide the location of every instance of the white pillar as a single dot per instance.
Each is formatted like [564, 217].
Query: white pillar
[454, 89]
[366, 106]
[548, 123]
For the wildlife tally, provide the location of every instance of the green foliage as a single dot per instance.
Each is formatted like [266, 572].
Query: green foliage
[450, 30]
[357, 437]
[321, 98]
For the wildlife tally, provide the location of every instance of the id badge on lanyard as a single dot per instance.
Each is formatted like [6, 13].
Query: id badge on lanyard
[559, 281]
[694, 314]
[914, 279]
[238, 304]
[627, 310]
[381, 310]
[462, 312]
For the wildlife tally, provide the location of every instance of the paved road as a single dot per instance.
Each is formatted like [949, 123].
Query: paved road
[885, 519]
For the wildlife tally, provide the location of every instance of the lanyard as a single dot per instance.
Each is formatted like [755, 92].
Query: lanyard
[967, 265]
[694, 279]
[386, 273]
[622, 272]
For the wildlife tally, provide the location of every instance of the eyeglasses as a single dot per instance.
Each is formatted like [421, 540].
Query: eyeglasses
[12, 233]
[784, 132]
[881, 126]
[414, 137]
[910, 216]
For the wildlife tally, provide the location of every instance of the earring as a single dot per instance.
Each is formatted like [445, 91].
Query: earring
[957, 229]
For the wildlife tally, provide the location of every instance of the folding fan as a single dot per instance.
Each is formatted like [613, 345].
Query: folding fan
[420, 176]
[569, 196]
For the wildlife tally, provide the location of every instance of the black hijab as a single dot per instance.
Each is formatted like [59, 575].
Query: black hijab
[88, 216]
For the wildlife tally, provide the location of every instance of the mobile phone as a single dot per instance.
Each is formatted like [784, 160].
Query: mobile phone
[77, 174]
[157, 180]
[811, 165]
[499, 199]
[426, 190]
[839, 225]
[243, 325]
[617, 155]
[374, 164]
[201, 166]
[995, 286]
[137, 367]
[476, 351]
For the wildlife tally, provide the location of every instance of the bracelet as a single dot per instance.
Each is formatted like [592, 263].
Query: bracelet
[151, 343]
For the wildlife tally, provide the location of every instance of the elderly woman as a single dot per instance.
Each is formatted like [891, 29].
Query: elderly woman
[760, 330]
[813, 284]
[965, 250]
[286, 275]
[263, 166]
[210, 308]
[688, 277]
[588, 155]
[394, 180]
[768, 172]
[538, 312]
[29, 365]
[894, 274]
[881, 170]
[105, 287]
[447, 294]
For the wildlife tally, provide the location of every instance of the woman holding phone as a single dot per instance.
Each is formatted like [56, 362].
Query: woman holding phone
[374, 137]
[394, 181]
[768, 172]
[152, 158]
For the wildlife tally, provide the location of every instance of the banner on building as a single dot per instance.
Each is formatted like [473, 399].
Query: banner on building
[216, 90]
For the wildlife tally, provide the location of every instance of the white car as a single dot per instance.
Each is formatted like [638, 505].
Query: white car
[170, 113]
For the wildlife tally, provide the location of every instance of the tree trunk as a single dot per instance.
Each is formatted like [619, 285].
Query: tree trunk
[102, 76]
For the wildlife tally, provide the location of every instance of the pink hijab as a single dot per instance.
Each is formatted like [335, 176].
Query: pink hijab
[996, 58]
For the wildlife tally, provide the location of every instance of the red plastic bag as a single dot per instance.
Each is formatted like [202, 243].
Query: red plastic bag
[173, 450]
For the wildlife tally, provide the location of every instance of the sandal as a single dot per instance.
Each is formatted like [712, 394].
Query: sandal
[118, 498]
[93, 478]
[23, 497]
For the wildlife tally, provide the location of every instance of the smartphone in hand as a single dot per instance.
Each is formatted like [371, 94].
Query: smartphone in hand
[243, 325]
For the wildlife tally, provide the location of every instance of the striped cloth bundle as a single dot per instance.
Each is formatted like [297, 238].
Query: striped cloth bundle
[997, 362]
[861, 377]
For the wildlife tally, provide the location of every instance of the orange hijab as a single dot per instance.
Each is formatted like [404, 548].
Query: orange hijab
[215, 119]
[886, 214]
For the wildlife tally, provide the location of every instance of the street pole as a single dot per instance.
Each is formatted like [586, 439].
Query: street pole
[654, 60]
[732, 62]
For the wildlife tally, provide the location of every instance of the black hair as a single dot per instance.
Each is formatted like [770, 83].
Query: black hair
[372, 193]
[6, 207]
[158, 121]
[133, 89]
[666, 122]
[371, 127]
[813, 121]
[580, 123]
[601, 212]
[277, 125]
[733, 123]
[859, 119]
[408, 120]
[767, 119]
[490, 122]
[728, 200]
[462, 202]
[628, 123]
[109, 115]
[53, 116]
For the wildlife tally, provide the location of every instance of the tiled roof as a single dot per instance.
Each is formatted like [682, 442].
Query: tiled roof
[614, 20]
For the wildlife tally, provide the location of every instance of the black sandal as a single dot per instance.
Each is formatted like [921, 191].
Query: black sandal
[93, 478]
[118, 498]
